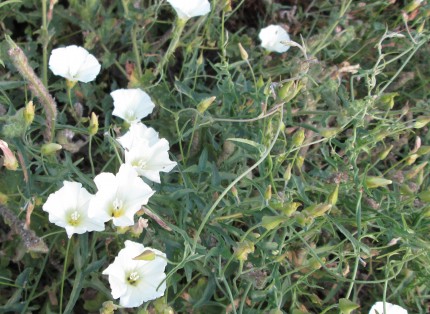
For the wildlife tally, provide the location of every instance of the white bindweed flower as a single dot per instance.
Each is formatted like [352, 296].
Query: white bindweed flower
[119, 196]
[149, 159]
[133, 280]
[74, 63]
[187, 9]
[131, 104]
[68, 208]
[137, 132]
[272, 37]
[378, 308]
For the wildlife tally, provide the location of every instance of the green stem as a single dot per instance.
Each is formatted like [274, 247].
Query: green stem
[234, 182]
[136, 51]
[177, 32]
[90, 156]
[63, 279]
[45, 42]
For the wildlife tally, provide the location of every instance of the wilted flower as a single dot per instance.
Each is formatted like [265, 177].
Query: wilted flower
[74, 63]
[190, 8]
[68, 208]
[272, 38]
[131, 104]
[9, 161]
[149, 160]
[119, 197]
[378, 308]
[133, 280]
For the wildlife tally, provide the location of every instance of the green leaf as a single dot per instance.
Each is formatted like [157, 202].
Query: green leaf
[248, 145]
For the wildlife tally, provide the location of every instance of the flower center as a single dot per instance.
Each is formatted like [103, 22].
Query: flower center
[117, 208]
[74, 218]
[133, 278]
[140, 163]
[130, 115]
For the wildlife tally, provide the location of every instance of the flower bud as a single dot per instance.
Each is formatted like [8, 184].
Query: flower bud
[372, 182]
[242, 250]
[385, 153]
[50, 148]
[299, 162]
[3, 198]
[415, 170]
[271, 222]
[9, 161]
[108, 307]
[317, 210]
[298, 137]
[268, 193]
[205, 103]
[421, 122]
[290, 208]
[412, 5]
[329, 132]
[200, 59]
[423, 150]
[28, 113]
[260, 82]
[94, 124]
[284, 91]
[332, 198]
[411, 159]
[243, 53]
[386, 101]
[287, 173]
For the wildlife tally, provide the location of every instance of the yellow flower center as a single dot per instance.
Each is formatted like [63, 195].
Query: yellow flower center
[117, 208]
[133, 278]
[74, 218]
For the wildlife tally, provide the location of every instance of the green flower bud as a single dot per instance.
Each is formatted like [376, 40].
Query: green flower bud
[94, 124]
[28, 113]
[347, 306]
[243, 52]
[205, 103]
[332, 198]
[385, 153]
[50, 148]
[298, 137]
[372, 182]
[272, 222]
[242, 250]
[421, 122]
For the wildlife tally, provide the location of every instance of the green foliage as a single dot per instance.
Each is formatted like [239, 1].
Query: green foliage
[336, 130]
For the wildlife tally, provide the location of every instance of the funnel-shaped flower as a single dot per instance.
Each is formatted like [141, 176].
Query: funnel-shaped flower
[187, 9]
[272, 38]
[68, 208]
[131, 104]
[378, 308]
[119, 196]
[137, 132]
[74, 63]
[149, 160]
[136, 280]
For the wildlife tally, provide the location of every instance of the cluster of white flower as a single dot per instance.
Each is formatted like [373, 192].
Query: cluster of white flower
[119, 196]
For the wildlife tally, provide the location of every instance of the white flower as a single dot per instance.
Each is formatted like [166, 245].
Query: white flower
[149, 159]
[119, 197]
[68, 208]
[131, 104]
[187, 9]
[74, 63]
[272, 37]
[137, 281]
[378, 308]
[137, 132]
